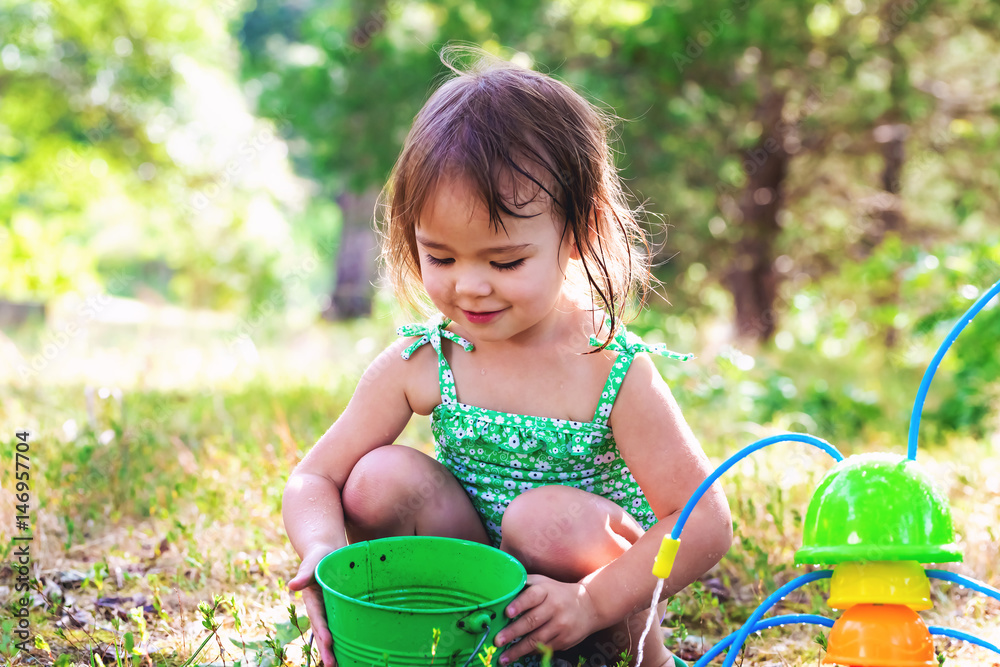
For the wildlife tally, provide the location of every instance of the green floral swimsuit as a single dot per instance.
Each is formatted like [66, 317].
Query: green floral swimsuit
[497, 455]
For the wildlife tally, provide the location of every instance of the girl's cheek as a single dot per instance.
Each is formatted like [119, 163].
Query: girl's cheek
[434, 284]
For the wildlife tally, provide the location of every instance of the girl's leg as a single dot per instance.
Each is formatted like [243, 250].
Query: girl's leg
[397, 490]
[566, 534]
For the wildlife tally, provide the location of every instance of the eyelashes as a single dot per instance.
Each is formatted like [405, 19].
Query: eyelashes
[434, 261]
[505, 266]
[509, 266]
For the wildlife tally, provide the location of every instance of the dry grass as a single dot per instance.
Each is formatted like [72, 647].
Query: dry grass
[176, 491]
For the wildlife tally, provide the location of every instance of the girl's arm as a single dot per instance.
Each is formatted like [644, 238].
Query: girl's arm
[311, 506]
[668, 463]
[375, 416]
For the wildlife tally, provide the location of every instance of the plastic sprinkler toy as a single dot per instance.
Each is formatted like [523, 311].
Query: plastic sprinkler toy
[875, 519]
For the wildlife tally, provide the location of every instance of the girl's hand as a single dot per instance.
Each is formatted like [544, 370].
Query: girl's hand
[553, 613]
[312, 594]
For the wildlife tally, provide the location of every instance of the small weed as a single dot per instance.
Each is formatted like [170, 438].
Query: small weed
[8, 644]
[70, 531]
[625, 658]
[486, 657]
[157, 601]
[95, 576]
[139, 620]
[435, 640]
[676, 608]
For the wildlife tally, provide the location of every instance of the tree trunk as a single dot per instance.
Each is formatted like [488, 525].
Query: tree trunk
[887, 216]
[13, 314]
[356, 257]
[751, 279]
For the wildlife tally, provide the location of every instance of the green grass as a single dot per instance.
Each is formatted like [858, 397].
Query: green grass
[169, 496]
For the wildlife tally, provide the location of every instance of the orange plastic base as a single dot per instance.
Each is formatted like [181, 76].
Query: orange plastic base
[880, 635]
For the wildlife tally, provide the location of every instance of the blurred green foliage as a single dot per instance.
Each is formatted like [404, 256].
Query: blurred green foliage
[970, 405]
[193, 153]
[111, 176]
[197, 155]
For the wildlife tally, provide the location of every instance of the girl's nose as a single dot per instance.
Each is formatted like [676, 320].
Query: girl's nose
[472, 282]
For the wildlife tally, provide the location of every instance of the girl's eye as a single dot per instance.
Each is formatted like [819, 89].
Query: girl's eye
[434, 261]
[509, 266]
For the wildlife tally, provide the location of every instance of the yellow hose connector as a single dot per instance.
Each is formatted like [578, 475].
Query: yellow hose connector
[664, 562]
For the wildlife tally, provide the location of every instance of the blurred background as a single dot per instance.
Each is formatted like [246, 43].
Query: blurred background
[188, 279]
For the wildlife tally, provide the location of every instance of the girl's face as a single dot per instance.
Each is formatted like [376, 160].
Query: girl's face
[497, 285]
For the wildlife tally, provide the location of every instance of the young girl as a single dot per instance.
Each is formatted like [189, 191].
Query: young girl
[557, 440]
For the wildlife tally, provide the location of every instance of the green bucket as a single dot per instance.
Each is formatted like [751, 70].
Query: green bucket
[386, 598]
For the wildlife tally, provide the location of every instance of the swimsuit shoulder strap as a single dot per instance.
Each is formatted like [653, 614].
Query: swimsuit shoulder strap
[433, 331]
[627, 345]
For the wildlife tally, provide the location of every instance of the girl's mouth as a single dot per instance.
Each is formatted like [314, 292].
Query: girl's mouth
[481, 317]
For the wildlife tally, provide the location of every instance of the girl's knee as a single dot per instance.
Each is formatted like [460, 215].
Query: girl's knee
[562, 532]
[388, 485]
[545, 515]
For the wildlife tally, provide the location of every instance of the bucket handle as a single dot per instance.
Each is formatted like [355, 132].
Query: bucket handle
[479, 646]
[476, 622]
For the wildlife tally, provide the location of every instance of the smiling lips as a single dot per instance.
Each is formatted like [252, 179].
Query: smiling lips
[481, 317]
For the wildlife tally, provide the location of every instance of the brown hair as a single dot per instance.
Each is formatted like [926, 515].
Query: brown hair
[498, 123]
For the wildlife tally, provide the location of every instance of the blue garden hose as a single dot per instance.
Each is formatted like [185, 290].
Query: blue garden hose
[774, 621]
[664, 562]
[813, 619]
[771, 600]
[964, 636]
[740, 455]
[977, 586]
[925, 383]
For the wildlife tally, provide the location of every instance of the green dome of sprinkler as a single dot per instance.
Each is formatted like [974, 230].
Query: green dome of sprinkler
[877, 507]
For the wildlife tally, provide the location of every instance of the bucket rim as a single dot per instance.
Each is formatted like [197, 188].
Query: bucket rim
[427, 538]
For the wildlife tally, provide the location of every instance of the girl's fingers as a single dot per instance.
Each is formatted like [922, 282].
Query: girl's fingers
[300, 581]
[519, 628]
[317, 621]
[527, 606]
[532, 596]
[527, 645]
[305, 575]
[305, 581]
